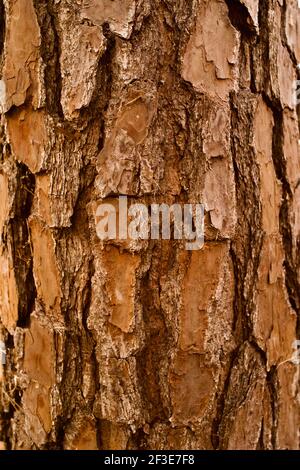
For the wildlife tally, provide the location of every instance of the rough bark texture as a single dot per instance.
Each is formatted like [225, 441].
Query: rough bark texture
[146, 345]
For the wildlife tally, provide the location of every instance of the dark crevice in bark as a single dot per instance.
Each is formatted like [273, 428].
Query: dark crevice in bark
[72, 373]
[241, 19]
[261, 54]
[2, 28]
[17, 235]
[280, 169]
[22, 252]
[107, 31]
[50, 53]
[104, 80]
[260, 442]
[150, 357]
[246, 248]
[84, 338]
[79, 338]
[273, 387]
[215, 431]
[71, 380]
[183, 11]
[159, 341]
[237, 284]
[235, 260]
[87, 295]
[253, 87]
[138, 440]
[100, 99]
[102, 93]
[11, 394]
[98, 434]
[97, 391]
[239, 382]
[90, 400]
[279, 160]
[292, 284]
[259, 350]
[5, 426]
[60, 432]
[283, 33]
[280, 165]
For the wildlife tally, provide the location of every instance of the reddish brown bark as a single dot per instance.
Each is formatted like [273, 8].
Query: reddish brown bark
[146, 345]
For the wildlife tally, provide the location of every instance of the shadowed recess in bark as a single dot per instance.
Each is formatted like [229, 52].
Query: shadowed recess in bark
[2, 26]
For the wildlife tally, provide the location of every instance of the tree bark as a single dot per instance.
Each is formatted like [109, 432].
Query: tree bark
[146, 345]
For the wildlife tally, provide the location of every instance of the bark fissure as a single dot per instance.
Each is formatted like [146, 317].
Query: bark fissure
[50, 53]
[2, 28]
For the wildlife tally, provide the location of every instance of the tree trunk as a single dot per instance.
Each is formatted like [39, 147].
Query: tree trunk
[146, 345]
